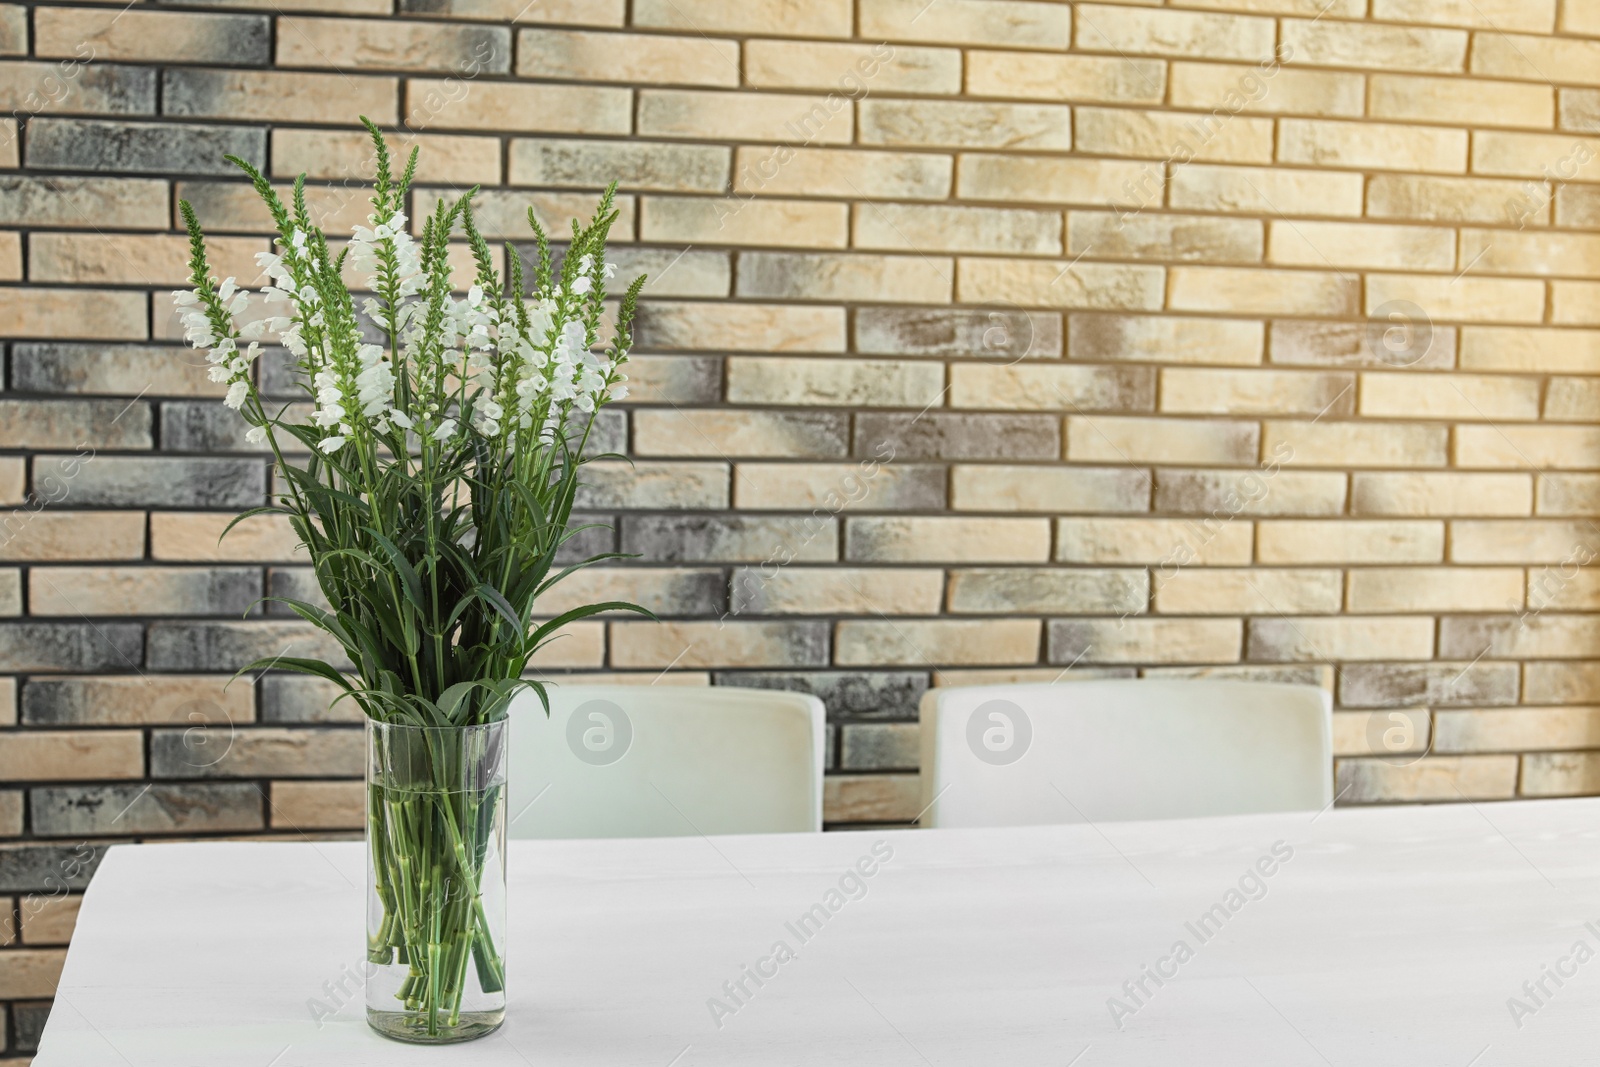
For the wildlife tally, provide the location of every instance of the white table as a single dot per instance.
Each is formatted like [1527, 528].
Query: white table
[1392, 936]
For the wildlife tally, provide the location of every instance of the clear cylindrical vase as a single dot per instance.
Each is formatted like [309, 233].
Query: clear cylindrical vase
[436, 881]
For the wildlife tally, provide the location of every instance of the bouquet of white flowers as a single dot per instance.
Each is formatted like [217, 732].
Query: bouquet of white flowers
[441, 459]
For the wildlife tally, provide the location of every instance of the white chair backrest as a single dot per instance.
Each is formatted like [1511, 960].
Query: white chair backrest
[1093, 751]
[664, 761]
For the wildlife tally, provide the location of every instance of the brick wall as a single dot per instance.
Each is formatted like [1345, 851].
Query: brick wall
[986, 340]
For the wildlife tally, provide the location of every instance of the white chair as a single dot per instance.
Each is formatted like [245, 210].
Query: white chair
[1113, 750]
[664, 761]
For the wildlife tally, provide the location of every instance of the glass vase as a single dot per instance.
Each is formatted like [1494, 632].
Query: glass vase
[436, 881]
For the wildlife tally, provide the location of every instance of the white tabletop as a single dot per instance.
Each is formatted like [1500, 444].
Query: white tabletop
[1390, 936]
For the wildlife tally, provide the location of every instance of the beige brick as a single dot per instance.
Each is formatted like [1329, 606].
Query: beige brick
[141, 36]
[1391, 732]
[1189, 238]
[1409, 589]
[72, 314]
[1520, 541]
[1409, 196]
[1073, 78]
[48, 536]
[1461, 299]
[13, 479]
[235, 206]
[1575, 303]
[1259, 591]
[139, 700]
[1263, 292]
[1340, 244]
[348, 155]
[1516, 729]
[1444, 778]
[1393, 340]
[48, 919]
[1005, 488]
[1536, 155]
[1561, 683]
[31, 972]
[965, 124]
[75, 755]
[741, 327]
[969, 22]
[1024, 675]
[1102, 28]
[10, 147]
[10, 255]
[1524, 447]
[1449, 494]
[1168, 542]
[1051, 388]
[934, 642]
[1537, 16]
[837, 591]
[621, 484]
[8, 702]
[1372, 145]
[836, 487]
[1340, 638]
[290, 96]
[1578, 109]
[947, 539]
[663, 590]
[1499, 252]
[852, 69]
[631, 58]
[102, 590]
[198, 536]
[1268, 392]
[1164, 339]
[1269, 191]
[1567, 586]
[871, 798]
[583, 644]
[1560, 774]
[507, 106]
[1059, 284]
[1397, 394]
[1226, 494]
[137, 259]
[318, 805]
[1542, 634]
[1459, 101]
[392, 44]
[1165, 135]
[10, 592]
[1145, 640]
[1533, 58]
[836, 277]
[1573, 399]
[782, 18]
[721, 432]
[717, 644]
[1124, 439]
[925, 228]
[832, 382]
[1064, 180]
[1326, 443]
[558, 12]
[772, 117]
[1581, 16]
[842, 172]
[1341, 9]
[1568, 494]
[790, 223]
[1052, 590]
[1249, 89]
[1532, 351]
[1343, 44]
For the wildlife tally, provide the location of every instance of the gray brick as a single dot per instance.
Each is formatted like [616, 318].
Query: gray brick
[1282, 673]
[298, 698]
[847, 694]
[728, 538]
[1353, 344]
[279, 375]
[257, 752]
[30, 1023]
[68, 811]
[71, 646]
[126, 481]
[671, 271]
[559, 163]
[50, 869]
[117, 370]
[1398, 685]
[995, 334]
[31, 201]
[126, 147]
[74, 424]
[95, 88]
[597, 538]
[295, 583]
[200, 426]
[881, 746]
[957, 435]
[609, 434]
[677, 379]
[228, 646]
[1048, 591]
